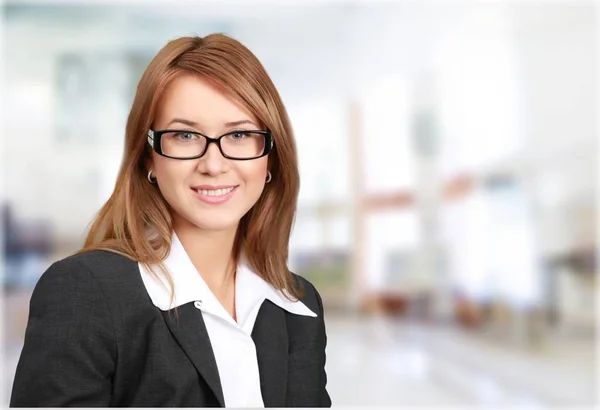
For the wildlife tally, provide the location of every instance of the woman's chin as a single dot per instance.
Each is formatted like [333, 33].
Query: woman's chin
[225, 224]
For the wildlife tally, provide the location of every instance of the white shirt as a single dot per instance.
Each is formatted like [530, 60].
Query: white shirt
[231, 341]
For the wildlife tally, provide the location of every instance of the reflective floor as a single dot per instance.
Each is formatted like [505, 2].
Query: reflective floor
[378, 361]
[374, 361]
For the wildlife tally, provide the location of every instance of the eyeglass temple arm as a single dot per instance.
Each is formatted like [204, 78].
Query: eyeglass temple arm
[151, 138]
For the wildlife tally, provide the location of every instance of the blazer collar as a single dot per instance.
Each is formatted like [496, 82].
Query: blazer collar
[188, 328]
[270, 337]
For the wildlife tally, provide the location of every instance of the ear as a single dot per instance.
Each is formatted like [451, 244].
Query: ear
[148, 164]
[270, 161]
[148, 157]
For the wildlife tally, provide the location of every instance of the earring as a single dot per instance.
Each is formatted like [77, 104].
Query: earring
[152, 180]
[269, 177]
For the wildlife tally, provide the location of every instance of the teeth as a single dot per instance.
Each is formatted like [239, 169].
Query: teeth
[214, 192]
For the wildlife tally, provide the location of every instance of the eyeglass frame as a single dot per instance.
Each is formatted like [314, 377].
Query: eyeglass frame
[154, 138]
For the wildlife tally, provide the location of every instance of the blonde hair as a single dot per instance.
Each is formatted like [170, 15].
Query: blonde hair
[136, 221]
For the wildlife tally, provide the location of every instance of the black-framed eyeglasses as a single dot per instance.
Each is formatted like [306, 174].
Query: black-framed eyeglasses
[238, 145]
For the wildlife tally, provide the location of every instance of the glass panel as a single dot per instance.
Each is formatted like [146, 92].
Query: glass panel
[388, 233]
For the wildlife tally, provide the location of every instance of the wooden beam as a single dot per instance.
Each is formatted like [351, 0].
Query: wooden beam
[394, 200]
[458, 187]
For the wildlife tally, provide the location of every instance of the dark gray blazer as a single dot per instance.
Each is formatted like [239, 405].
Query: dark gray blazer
[95, 339]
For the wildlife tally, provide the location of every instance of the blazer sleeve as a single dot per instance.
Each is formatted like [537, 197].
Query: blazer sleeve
[69, 351]
[325, 400]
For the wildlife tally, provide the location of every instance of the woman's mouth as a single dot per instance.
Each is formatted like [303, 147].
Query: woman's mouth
[214, 196]
[214, 192]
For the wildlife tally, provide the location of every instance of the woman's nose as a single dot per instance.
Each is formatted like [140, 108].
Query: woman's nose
[213, 162]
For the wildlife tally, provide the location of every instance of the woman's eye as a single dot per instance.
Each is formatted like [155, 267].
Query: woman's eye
[185, 135]
[239, 135]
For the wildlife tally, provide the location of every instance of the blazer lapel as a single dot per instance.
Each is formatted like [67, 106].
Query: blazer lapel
[190, 331]
[271, 340]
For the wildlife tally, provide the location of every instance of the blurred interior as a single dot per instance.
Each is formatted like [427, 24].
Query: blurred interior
[447, 155]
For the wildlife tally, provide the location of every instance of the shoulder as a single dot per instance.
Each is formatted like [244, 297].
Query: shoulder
[85, 272]
[309, 294]
[97, 261]
[306, 331]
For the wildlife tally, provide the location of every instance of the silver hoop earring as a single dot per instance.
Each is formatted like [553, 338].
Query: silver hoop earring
[269, 177]
[152, 180]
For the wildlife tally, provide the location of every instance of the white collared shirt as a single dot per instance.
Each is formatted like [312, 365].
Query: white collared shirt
[232, 344]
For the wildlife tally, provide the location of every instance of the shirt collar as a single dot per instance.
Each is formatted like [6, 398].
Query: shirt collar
[251, 289]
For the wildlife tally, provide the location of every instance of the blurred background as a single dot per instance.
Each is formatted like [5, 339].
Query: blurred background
[448, 163]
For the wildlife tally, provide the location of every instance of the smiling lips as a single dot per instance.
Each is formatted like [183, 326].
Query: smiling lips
[214, 194]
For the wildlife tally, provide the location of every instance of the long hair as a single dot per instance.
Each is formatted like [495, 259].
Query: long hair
[136, 221]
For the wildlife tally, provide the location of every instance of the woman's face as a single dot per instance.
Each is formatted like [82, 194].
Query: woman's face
[198, 189]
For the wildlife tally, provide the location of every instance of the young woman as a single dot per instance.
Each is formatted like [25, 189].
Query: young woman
[181, 296]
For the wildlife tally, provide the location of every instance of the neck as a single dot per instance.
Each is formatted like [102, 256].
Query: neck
[211, 253]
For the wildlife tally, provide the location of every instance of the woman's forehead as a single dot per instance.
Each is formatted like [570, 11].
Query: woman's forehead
[199, 101]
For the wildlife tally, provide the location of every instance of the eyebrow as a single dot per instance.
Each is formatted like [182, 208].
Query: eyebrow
[196, 125]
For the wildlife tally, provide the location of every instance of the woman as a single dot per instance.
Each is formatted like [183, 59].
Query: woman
[181, 296]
